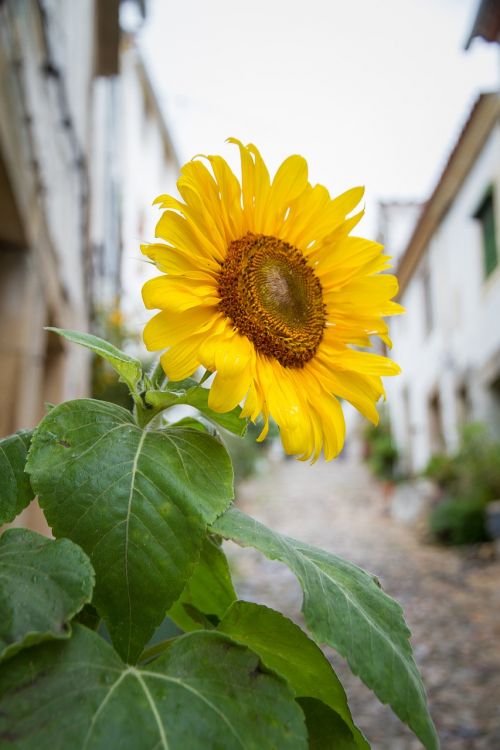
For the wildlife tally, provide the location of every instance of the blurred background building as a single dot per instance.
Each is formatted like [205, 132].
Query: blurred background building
[448, 342]
[83, 148]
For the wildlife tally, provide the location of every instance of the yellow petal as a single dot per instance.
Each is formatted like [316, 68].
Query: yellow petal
[265, 429]
[366, 363]
[333, 424]
[168, 201]
[200, 192]
[253, 403]
[186, 237]
[227, 392]
[322, 216]
[230, 197]
[176, 293]
[211, 345]
[346, 202]
[289, 182]
[175, 327]
[328, 233]
[235, 356]
[285, 403]
[248, 186]
[348, 252]
[182, 360]
[364, 296]
[170, 260]
[156, 332]
[360, 390]
[262, 184]
[300, 227]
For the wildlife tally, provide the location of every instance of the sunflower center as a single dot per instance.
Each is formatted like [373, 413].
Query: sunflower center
[273, 297]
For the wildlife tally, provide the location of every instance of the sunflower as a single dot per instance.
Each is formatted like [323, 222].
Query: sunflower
[263, 285]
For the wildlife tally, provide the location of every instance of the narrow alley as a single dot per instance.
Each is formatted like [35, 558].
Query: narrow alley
[451, 597]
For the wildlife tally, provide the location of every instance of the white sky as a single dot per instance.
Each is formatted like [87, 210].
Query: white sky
[371, 92]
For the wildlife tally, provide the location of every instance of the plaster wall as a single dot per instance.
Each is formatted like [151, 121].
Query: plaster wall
[149, 170]
[453, 359]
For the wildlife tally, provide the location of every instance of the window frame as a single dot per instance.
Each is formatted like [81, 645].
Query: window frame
[485, 214]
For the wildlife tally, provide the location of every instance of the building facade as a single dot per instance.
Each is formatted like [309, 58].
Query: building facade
[46, 68]
[72, 185]
[448, 342]
[150, 167]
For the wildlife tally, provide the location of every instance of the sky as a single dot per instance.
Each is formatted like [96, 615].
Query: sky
[371, 92]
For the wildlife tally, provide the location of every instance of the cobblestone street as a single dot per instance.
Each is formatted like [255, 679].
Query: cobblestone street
[451, 598]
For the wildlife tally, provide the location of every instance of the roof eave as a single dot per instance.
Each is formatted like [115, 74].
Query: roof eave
[483, 117]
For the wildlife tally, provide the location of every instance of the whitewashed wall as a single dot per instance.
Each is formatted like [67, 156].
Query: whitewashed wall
[148, 170]
[465, 335]
[46, 70]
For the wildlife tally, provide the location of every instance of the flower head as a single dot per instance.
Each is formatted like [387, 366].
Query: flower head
[264, 285]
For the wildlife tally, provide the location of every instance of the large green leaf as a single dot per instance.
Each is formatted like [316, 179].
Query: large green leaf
[15, 488]
[136, 501]
[346, 608]
[205, 692]
[43, 584]
[190, 393]
[209, 590]
[286, 649]
[129, 368]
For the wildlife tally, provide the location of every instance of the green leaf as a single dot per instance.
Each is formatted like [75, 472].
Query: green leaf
[286, 649]
[190, 393]
[129, 368]
[209, 590]
[43, 584]
[89, 616]
[136, 501]
[326, 730]
[193, 424]
[204, 692]
[346, 608]
[15, 488]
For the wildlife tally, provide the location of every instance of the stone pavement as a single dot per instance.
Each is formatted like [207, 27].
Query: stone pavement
[451, 598]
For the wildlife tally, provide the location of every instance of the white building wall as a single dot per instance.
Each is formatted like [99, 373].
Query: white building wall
[465, 334]
[106, 194]
[58, 75]
[47, 50]
[149, 169]
[46, 69]
[396, 223]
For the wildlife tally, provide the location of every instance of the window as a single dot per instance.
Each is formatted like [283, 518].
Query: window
[485, 214]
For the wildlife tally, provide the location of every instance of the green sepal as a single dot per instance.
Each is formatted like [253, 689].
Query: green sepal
[189, 392]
